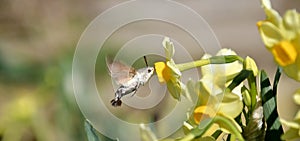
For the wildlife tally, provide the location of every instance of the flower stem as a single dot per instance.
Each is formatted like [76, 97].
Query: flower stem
[230, 125]
[211, 60]
[253, 91]
[198, 131]
[191, 65]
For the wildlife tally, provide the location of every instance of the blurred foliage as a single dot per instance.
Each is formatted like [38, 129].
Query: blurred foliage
[38, 102]
[37, 42]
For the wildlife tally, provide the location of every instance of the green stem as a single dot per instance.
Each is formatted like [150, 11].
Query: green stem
[191, 65]
[198, 131]
[211, 60]
[253, 91]
[228, 123]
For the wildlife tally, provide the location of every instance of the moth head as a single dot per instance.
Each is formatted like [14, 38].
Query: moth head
[150, 70]
[146, 73]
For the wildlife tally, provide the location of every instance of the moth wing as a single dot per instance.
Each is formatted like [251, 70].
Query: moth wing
[120, 72]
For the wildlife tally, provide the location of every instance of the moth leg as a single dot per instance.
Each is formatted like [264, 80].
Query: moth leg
[136, 88]
[116, 102]
[134, 92]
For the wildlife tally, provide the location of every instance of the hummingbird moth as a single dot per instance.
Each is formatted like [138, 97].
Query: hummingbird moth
[128, 79]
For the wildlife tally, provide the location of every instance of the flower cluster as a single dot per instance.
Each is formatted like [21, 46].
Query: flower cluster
[234, 99]
[281, 36]
[167, 72]
[230, 101]
[220, 96]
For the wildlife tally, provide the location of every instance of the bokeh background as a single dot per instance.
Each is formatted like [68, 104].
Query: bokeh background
[38, 39]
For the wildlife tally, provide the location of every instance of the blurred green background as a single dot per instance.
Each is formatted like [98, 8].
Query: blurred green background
[37, 42]
[38, 39]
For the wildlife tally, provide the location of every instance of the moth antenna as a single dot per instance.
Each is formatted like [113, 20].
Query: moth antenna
[146, 61]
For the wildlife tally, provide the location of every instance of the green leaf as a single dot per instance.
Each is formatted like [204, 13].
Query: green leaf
[90, 131]
[276, 81]
[239, 79]
[274, 127]
[217, 134]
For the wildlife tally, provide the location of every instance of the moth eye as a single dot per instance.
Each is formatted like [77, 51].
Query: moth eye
[149, 70]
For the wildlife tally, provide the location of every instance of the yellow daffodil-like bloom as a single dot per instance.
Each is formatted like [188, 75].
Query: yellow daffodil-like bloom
[216, 77]
[213, 100]
[167, 72]
[227, 107]
[281, 36]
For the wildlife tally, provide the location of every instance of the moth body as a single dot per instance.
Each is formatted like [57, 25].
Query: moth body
[129, 79]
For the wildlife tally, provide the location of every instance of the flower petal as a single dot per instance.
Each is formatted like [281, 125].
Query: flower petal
[291, 20]
[231, 105]
[162, 71]
[203, 112]
[297, 97]
[174, 88]
[169, 48]
[284, 53]
[266, 4]
[174, 70]
[290, 134]
[272, 15]
[290, 124]
[270, 34]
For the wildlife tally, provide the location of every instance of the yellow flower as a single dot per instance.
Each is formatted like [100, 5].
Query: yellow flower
[281, 37]
[216, 77]
[226, 108]
[228, 104]
[213, 100]
[167, 72]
